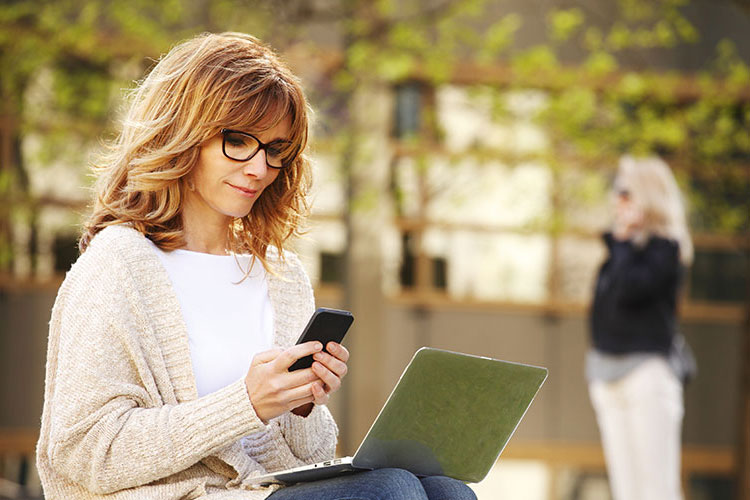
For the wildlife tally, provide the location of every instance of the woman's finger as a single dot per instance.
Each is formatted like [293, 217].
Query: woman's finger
[319, 394]
[299, 377]
[334, 364]
[339, 351]
[287, 357]
[293, 396]
[331, 380]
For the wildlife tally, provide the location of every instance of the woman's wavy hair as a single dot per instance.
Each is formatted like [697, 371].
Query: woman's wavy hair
[653, 188]
[202, 85]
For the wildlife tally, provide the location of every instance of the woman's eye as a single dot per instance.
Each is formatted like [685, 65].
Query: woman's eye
[278, 148]
[233, 140]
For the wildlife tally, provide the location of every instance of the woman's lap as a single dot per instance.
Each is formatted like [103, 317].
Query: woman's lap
[380, 484]
[446, 488]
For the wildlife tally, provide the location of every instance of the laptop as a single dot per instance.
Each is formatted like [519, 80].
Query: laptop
[450, 414]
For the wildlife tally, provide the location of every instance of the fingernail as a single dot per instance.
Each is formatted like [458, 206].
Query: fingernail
[318, 346]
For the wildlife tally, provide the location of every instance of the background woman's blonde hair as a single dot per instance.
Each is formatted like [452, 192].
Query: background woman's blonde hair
[652, 187]
[204, 84]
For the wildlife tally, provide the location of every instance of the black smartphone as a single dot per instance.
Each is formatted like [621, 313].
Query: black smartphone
[325, 325]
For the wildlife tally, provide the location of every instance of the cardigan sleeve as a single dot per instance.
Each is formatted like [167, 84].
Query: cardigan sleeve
[312, 438]
[110, 428]
[292, 441]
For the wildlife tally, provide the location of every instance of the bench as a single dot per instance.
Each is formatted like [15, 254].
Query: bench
[588, 459]
[18, 476]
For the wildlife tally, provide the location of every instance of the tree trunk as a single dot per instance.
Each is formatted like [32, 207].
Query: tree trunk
[13, 182]
[743, 441]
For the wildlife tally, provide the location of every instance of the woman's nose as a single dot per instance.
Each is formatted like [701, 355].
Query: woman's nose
[256, 166]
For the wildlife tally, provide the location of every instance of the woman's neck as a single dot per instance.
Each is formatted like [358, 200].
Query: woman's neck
[200, 243]
[205, 236]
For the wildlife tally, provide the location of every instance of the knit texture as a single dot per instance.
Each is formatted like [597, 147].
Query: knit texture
[121, 416]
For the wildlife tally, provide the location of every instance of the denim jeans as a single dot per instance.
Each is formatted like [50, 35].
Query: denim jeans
[380, 484]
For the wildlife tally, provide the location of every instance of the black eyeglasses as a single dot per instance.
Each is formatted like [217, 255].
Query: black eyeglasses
[241, 146]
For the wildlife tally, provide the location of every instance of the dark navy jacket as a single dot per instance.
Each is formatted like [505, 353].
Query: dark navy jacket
[635, 300]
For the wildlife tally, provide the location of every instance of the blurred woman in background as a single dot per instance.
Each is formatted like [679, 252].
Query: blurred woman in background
[635, 379]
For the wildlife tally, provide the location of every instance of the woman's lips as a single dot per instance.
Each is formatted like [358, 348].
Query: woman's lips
[248, 193]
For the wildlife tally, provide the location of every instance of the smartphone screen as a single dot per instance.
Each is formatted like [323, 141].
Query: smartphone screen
[325, 325]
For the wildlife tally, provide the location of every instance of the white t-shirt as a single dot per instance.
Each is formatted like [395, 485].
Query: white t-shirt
[228, 320]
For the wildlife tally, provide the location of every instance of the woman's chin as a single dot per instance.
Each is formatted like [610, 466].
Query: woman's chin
[238, 212]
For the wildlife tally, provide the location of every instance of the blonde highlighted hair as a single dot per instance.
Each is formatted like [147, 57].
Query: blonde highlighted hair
[202, 85]
[653, 188]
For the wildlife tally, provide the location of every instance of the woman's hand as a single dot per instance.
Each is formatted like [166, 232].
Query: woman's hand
[628, 220]
[273, 389]
[330, 367]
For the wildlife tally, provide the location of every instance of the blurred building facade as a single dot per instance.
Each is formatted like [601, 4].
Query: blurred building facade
[476, 269]
[465, 253]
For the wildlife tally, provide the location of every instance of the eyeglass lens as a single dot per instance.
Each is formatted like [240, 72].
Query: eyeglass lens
[242, 147]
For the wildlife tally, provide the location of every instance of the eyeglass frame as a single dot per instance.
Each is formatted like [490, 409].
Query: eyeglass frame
[261, 145]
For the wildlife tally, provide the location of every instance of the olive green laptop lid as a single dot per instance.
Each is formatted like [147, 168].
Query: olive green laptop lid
[450, 414]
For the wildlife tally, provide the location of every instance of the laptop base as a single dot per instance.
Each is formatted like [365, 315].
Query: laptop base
[322, 470]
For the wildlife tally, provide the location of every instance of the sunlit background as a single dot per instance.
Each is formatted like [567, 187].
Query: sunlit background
[464, 151]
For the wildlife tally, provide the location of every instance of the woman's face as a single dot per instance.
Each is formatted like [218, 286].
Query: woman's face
[622, 198]
[628, 215]
[223, 188]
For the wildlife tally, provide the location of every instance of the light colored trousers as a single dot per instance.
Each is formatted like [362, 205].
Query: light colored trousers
[640, 421]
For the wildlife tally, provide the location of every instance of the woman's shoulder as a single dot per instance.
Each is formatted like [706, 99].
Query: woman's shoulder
[118, 237]
[100, 273]
[108, 252]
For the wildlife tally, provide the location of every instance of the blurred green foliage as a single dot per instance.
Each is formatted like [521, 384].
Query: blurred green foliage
[65, 64]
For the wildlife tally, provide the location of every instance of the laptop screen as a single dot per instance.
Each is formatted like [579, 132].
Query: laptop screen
[450, 414]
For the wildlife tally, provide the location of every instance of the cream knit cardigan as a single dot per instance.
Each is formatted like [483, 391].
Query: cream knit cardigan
[121, 417]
